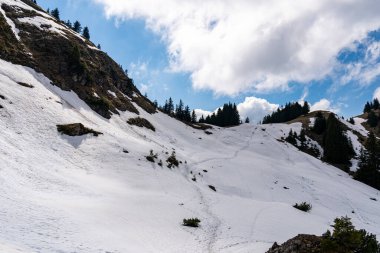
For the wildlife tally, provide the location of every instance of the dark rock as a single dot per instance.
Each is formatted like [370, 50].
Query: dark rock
[141, 122]
[299, 244]
[25, 85]
[76, 129]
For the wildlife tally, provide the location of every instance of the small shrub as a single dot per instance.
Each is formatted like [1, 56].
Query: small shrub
[141, 122]
[160, 163]
[192, 222]
[151, 157]
[306, 207]
[172, 161]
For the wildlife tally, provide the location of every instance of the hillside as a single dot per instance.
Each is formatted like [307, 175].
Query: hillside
[98, 192]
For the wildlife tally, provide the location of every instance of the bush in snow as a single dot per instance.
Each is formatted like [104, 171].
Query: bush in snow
[172, 161]
[192, 222]
[346, 239]
[306, 207]
[151, 156]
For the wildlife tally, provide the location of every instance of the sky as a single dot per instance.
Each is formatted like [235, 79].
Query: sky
[258, 54]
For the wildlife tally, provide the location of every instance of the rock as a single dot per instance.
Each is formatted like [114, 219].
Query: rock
[299, 244]
[76, 129]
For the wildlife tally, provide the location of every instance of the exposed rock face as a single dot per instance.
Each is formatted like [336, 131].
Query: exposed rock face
[70, 61]
[299, 244]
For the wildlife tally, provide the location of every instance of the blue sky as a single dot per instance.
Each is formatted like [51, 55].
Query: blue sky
[144, 42]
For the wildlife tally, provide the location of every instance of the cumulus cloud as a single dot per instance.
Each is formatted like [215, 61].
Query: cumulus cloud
[376, 94]
[324, 105]
[255, 108]
[252, 45]
[252, 107]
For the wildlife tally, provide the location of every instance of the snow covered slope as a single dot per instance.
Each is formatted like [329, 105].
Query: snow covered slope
[84, 194]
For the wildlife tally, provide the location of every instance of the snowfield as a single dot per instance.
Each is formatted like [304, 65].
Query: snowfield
[85, 194]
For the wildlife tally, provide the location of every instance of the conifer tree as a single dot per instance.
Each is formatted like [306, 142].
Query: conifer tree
[337, 147]
[369, 163]
[77, 27]
[247, 120]
[372, 119]
[86, 33]
[55, 13]
[319, 124]
[193, 117]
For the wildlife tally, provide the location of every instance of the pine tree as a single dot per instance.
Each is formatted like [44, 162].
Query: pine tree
[305, 108]
[247, 120]
[376, 104]
[372, 119]
[55, 13]
[367, 107]
[170, 109]
[68, 24]
[202, 119]
[86, 33]
[319, 124]
[303, 137]
[77, 27]
[187, 114]
[193, 117]
[369, 163]
[337, 147]
[99, 47]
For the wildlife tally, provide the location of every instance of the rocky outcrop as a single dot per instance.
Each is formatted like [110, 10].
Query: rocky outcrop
[298, 244]
[70, 61]
[76, 129]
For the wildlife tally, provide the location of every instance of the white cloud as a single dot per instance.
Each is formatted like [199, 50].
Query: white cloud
[255, 108]
[325, 105]
[376, 94]
[242, 45]
[367, 70]
[200, 113]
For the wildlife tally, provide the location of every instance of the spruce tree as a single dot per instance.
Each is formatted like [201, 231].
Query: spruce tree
[77, 27]
[369, 163]
[376, 104]
[193, 117]
[55, 13]
[372, 119]
[319, 123]
[247, 120]
[337, 147]
[86, 33]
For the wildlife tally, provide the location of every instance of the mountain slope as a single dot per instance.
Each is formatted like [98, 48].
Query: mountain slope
[84, 194]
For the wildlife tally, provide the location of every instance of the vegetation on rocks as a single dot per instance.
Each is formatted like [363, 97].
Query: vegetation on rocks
[141, 122]
[76, 129]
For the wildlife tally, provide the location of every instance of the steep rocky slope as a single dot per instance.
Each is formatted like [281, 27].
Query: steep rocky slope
[31, 37]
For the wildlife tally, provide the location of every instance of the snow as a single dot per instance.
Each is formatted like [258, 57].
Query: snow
[10, 23]
[84, 194]
[44, 23]
[112, 93]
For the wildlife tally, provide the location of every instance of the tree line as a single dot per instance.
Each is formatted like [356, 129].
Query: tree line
[76, 26]
[369, 108]
[227, 115]
[289, 112]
